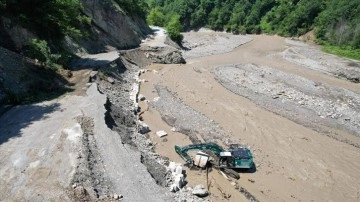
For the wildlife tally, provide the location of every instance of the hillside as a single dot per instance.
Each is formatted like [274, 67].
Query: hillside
[334, 22]
[51, 33]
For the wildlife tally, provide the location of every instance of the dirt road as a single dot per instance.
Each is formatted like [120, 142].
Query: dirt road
[295, 161]
[63, 150]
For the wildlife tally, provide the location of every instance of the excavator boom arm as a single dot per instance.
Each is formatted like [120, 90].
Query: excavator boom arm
[182, 151]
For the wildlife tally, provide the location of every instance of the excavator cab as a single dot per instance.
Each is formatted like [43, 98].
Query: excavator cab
[226, 160]
[242, 156]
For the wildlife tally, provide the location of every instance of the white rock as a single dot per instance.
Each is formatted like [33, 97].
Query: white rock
[141, 97]
[172, 166]
[143, 128]
[161, 133]
[110, 80]
[200, 191]
[156, 99]
[179, 180]
[174, 188]
[178, 170]
[116, 197]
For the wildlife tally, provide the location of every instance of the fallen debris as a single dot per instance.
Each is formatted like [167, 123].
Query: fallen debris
[143, 128]
[178, 177]
[161, 133]
[200, 191]
[110, 80]
[141, 97]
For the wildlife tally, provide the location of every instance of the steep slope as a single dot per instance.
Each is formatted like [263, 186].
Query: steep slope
[108, 27]
[111, 25]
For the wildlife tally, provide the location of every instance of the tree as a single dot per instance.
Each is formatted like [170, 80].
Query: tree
[156, 17]
[48, 19]
[39, 50]
[174, 29]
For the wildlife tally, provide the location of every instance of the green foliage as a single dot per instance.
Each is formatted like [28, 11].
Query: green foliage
[12, 97]
[156, 17]
[39, 50]
[335, 22]
[348, 52]
[174, 29]
[138, 7]
[48, 19]
[339, 23]
[2, 5]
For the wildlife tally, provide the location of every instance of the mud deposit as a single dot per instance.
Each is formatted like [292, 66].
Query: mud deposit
[304, 101]
[313, 58]
[296, 107]
[198, 44]
[184, 119]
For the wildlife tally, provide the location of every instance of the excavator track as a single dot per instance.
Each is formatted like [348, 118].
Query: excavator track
[230, 172]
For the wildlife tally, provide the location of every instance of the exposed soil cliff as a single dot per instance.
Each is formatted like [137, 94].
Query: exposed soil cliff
[111, 26]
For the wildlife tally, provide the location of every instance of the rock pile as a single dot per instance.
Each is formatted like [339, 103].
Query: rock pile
[164, 55]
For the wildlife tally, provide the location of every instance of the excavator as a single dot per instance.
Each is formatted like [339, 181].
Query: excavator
[237, 156]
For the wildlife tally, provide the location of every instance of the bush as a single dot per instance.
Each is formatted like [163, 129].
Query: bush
[50, 20]
[39, 50]
[156, 17]
[174, 29]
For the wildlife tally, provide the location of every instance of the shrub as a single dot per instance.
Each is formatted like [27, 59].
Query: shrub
[39, 50]
[174, 29]
[156, 17]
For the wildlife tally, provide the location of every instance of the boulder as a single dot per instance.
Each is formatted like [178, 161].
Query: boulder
[178, 177]
[141, 97]
[161, 133]
[110, 80]
[164, 55]
[143, 128]
[200, 191]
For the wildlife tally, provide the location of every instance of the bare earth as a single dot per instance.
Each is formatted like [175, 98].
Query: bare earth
[300, 119]
[62, 150]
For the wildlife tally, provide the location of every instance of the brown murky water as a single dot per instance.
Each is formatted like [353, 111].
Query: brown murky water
[294, 163]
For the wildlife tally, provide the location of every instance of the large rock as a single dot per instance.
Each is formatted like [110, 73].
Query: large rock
[200, 191]
[164, 55]
[178, 177]
[143, 128]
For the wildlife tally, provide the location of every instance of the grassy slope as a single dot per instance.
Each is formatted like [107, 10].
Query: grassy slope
[343, 52]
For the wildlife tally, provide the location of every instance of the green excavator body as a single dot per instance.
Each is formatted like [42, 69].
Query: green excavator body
[236, 156]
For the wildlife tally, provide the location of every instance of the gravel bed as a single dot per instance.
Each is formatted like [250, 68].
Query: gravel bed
[313, 58]
[199, 44]
[299, 99]
[185, 119]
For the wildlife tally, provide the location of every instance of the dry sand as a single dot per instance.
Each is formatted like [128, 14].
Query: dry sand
[293, 162]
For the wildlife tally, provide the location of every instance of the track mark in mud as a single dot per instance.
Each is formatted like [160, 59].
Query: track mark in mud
[299, 99]
[89, 181]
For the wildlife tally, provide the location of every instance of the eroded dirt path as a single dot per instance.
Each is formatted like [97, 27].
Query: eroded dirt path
[294, 162]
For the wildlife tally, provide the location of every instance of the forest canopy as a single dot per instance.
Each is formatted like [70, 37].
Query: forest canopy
[334, 22]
